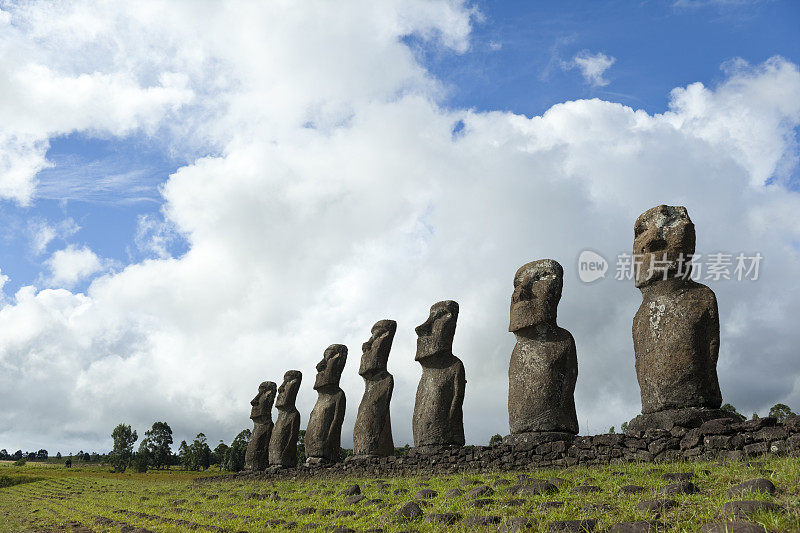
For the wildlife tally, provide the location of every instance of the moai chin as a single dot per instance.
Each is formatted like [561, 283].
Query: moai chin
[324, 432]
[283, 442]
[438, 414]
[544, 363]
[372, 434]
[676, 329]
[257, 455]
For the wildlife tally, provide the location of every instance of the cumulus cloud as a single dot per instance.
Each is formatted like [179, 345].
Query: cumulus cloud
[336, 197]
[71, 265]
[591, 66]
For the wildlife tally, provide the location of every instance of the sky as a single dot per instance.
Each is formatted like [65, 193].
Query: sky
[197, 197]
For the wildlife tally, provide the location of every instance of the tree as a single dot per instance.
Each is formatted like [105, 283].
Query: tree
[58, 455]
[301, 446]
[184, 456]
[68, 463]
[728, 408]
[234, 459]
[41, 455]
[4, 455]
[495, 440]
[159, 438]
[781, 412]
[87, 457]
[755, 416]
[218, 456]
[623, 427]
[142, 458]
[200, 453]
[17, 455]
[124, 439]
[611, 430]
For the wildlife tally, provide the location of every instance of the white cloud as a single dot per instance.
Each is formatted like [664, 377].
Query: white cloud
[339, 197]
[592, 67]
[71, 265]
[43, 233]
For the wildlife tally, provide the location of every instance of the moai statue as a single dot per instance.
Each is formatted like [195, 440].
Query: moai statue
[283, 443]
[676, 329]
[257, 455]
[544, 364]
[372, 434]
[438, 415]
[324, 432]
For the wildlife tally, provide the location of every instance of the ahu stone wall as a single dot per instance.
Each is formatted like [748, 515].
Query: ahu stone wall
[721, 439]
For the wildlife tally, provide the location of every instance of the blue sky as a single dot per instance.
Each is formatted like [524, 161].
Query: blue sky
[205, 238]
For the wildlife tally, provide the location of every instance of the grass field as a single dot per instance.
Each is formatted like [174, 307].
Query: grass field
[90, 498]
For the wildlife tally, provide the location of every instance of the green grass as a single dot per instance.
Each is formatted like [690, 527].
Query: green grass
[93, 497]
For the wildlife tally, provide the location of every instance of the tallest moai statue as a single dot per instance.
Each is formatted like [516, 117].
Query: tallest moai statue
[676, 329]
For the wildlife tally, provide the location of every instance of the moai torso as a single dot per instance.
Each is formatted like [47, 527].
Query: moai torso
[372, 433]
[283, 442]
[438, 409]
[676, 329]
[544, 364]
[257, 455]
[324, 431]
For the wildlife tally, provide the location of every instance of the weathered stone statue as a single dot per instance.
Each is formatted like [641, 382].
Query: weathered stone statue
[324, 431]
[372, 434]
[283, 443]
[544, 364]
[257, 455]
[438, 416]
[676, 329]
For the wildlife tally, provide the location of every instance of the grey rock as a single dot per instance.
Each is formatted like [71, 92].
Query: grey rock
[656, 506]
[425, 494]
[518, 523]
[324, 432]
[683, 487]
[354, 499]
[481, 502]
[372, 433]
[444, 518]
[481, 521]
[752, 485]
[586, 489]
[409, 511]
[438, 408]
[257, 455]
[453, 493]
[676, 329]
[631, 489]
[350, 491]
[483, 490]
[638, 526]
[745, 508]
[544, 365]
[690, 417]
[283, 442]
[572, 526]
[733, 526]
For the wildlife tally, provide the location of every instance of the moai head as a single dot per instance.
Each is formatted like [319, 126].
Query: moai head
[376, 349]
[287, 392]
[537, 291]
[329, 370]
[663, 238]
[435, 335]
[262, 403]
